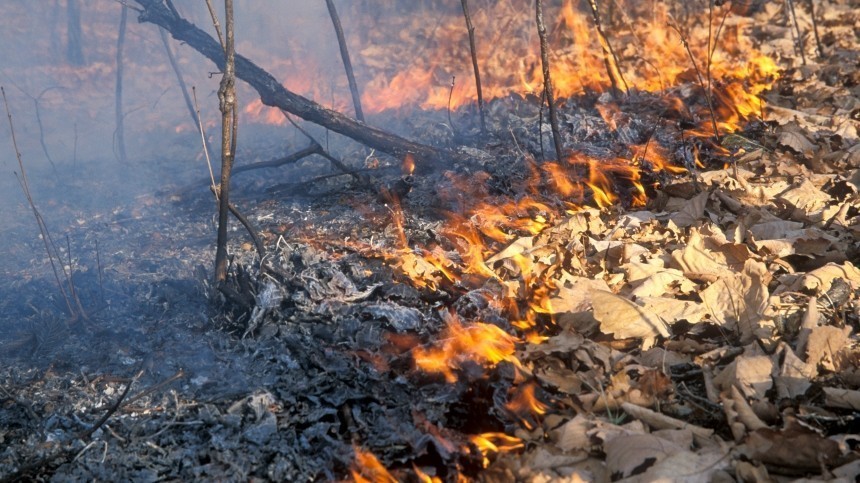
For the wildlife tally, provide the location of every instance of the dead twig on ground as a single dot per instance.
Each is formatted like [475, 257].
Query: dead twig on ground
[119, 135]
[547, 80]
[471, 29]
[613, 68]
[344, 55]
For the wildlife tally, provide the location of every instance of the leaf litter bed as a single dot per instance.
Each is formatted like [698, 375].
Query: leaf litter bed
[708, 335]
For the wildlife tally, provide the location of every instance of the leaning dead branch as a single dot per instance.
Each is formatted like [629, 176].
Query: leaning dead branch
[613, 69]
[477, 70]
[344, 55]
[272, 93]
[547, 80]
[195, 115]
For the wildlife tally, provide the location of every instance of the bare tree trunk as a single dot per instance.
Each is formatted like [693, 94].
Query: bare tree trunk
[74, 37]
[227, 103]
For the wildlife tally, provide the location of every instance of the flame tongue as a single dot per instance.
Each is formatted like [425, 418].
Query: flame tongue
[484, 344]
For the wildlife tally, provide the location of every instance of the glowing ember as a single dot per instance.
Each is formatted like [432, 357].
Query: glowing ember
[493, 443]
[483, 344]
[367, 469]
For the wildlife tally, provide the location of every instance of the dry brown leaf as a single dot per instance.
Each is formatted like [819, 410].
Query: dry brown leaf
[740, 300]
[824, 345]
[792, 448]
[806, 197]
[793, 138]
[624, 319]
[661, 282]
[633, 454]
[775, 229]
[696, 258]
[573, 435]
[795, 376]
[674, 310]
[574, 296]
[518, 247]
[821, 278]
[753, 375]
[692, 211]
[841, 398]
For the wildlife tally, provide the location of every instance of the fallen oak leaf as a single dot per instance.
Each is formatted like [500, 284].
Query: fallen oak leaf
[624, 319]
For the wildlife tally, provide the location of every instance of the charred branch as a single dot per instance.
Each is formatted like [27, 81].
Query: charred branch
[819, 49]
[799, 45]
[613, 69]
[273, 94]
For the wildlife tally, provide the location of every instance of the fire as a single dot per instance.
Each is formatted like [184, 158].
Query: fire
[525, 404]
[481, 343]
[493, 443]
[367, 469]
[429, 68]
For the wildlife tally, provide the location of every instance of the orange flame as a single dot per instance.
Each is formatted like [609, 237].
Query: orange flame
[525, 404]
[494, 443]
[367, 469]
[481, 343]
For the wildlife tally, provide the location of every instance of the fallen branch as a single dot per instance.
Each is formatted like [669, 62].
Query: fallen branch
[272, 93]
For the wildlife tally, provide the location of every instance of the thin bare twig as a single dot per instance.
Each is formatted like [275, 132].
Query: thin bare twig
[119, 146]
[818, 47]
[700, 78]
[344, 55]
[50, 247]
[799, 45]
[216, 24]
[547, 79]
[471, 29]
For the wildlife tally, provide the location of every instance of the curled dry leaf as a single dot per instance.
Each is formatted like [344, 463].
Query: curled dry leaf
[841, 398]
[821, 278]
[751, 374]
[825, 343]
[740, 300]
[624, 319]
[692, 211]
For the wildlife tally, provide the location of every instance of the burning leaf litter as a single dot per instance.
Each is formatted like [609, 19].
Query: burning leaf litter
[625, 312]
